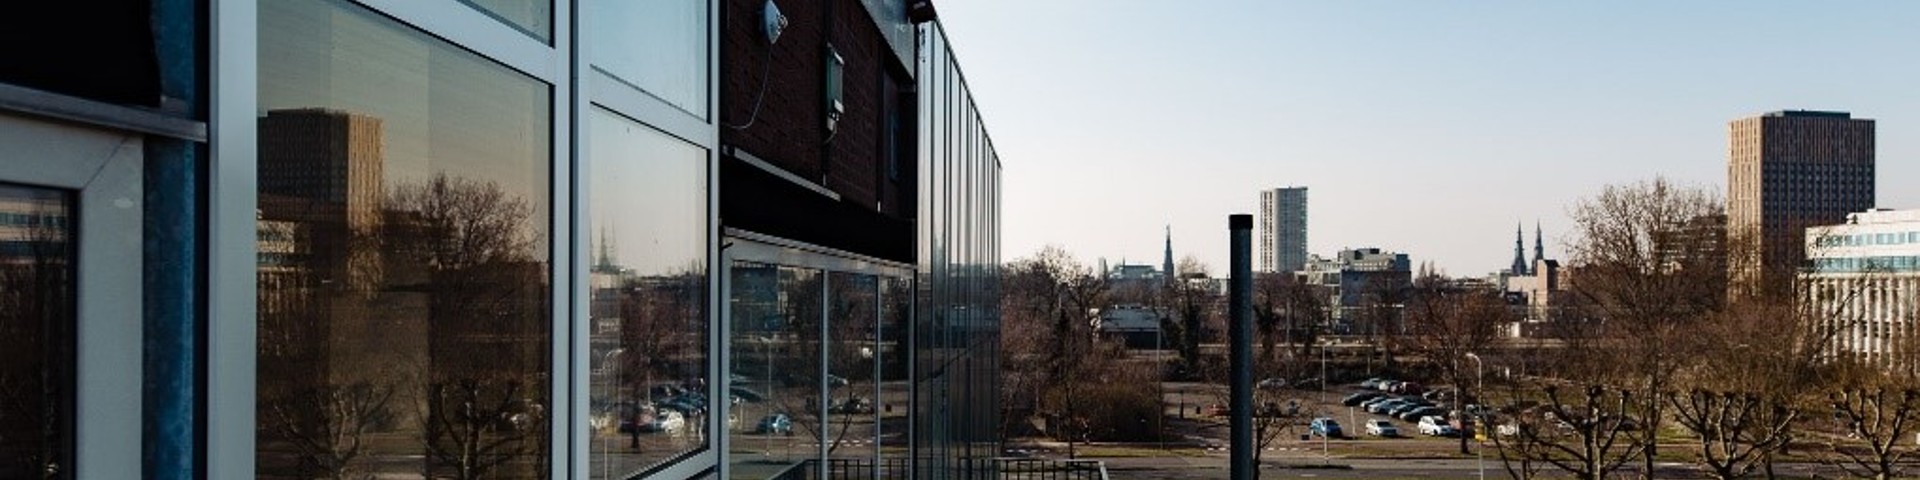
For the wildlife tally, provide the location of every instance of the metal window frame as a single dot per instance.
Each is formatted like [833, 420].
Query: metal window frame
[594, 89]
[232, 351]
[103, 167]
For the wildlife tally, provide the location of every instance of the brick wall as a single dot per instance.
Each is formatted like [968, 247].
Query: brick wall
[790, 131]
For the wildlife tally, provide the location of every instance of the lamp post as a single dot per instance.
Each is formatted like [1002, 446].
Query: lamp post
[766, 357]
[613, 383]
[1479, 384]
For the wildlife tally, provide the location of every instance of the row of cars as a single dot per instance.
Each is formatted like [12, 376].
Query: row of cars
[1414, 403]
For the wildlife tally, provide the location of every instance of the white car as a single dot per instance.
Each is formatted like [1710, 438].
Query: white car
[1435, 426]
[1382, 428]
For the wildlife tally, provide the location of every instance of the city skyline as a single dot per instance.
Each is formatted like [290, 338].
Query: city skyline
[1422, 128]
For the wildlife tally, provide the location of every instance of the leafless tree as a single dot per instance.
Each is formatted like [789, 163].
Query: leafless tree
[1649, 263]
[1588, 440]
[1877, 417]
[1448, 324]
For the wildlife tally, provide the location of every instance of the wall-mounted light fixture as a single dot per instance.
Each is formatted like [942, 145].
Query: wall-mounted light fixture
[921, 11]
[834, 89]
[773, 21]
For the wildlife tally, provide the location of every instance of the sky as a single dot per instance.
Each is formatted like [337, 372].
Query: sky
[1430, 128]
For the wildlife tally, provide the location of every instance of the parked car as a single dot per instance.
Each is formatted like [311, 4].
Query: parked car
[1436, 426]
[1421, 412]
[1369, 403]
[1383, 407]
[1407, 388]
[664, 421]
[777, 423]
[1357, 398]
[747, 394]
[1387, 386]
[1325, 427]
[1274, 383]
[1382, 428]
[855, 405]
[1372, 383]
[1407, 406]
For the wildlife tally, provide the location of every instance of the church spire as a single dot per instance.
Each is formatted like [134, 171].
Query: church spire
[1519, 250]
[1167, 263]
[1539, 247]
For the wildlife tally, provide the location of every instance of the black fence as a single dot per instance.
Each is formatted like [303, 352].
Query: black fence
[983, 468]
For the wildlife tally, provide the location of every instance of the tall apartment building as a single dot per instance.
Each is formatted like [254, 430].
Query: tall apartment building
[1865, 274]
[1283, 229]
[1786, 171]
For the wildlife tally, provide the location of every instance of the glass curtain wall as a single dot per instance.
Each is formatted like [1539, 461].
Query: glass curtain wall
[408, 216]
[648, 323]
[803, 334]
[404, 222]
[654, 399]
[956, 378]
[37, 332]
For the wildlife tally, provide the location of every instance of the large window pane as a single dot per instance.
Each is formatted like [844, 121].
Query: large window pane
[659, 46]
[776, 315]
[404, 304]
[532, 16]
[36, 332]
[648, 218]
[895, 388]
[852, 387]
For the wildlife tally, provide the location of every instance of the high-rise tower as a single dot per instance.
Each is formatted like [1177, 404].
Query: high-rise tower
[1283, 229]
[1787, 171]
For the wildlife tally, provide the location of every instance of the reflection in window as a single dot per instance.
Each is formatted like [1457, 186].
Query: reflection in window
[532, 16]
[659, 46]
[36, 333]
[776, 314]
[403, 296]
[649, 316]
[851, 359]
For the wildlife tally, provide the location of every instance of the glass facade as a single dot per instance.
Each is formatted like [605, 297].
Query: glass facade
[659, 47]
[404, 223]
[956, 365]
[402, 240]
[37, 338]
[819, 329]
[648, 327]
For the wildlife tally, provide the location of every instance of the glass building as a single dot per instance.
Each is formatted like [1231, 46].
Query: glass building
[495, 239]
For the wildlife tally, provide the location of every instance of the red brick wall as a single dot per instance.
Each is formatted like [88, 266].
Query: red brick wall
[790, 131]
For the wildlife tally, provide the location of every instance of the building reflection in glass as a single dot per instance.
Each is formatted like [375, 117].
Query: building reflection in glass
[37, 308]
[649, 329]
[404, 300]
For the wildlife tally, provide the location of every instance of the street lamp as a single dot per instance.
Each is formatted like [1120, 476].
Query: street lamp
[608, 365]
[1480, 383]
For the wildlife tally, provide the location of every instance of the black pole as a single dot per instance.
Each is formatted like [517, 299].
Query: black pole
[1240, 312]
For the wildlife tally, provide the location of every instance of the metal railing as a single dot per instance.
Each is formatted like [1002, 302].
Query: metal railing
[980, 468]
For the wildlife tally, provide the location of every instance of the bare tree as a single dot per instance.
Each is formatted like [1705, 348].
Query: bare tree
[1649, 263]
[1448, 324]
[1588, 440]
[1876, 417]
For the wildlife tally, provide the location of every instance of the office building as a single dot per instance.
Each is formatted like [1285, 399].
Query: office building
[1359, 279]
[1786, 171]
[300, 239]
[1864, 280]
[1283, 229]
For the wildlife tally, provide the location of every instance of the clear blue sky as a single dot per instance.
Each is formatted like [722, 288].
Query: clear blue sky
[1419, 126]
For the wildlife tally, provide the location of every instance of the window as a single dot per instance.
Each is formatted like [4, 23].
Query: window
[37, 338]
[406, 329]
[532, 16]
[658, 46]
[649, 353]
